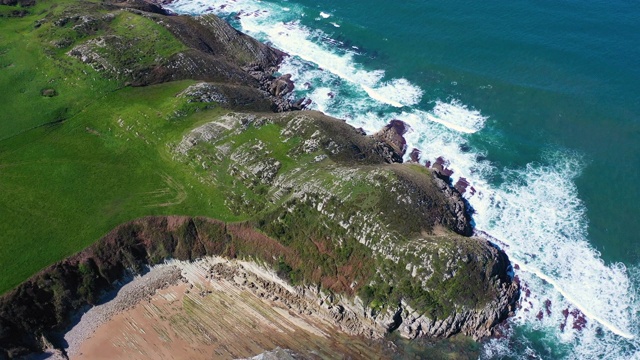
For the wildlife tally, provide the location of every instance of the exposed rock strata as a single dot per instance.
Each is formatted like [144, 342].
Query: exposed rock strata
[129, 295]
[43, 306]
[253, 310]
[218, 287]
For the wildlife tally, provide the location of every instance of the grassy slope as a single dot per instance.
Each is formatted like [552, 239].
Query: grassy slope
[64, 185]
[33, 58]
[340, 192]
[26, 69]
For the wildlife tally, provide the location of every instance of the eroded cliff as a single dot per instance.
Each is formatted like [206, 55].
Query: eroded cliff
[332, 214]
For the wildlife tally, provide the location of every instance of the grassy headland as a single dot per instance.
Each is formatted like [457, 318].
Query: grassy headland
[79, 152]
[83, 151]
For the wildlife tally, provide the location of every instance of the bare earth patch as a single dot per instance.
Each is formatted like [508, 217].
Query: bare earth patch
[220, 309]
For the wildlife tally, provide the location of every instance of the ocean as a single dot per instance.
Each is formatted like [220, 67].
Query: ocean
[535, 103]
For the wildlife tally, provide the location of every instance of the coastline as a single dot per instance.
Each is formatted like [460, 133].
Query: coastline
[509, 177]
[533, 192]
[97, 268]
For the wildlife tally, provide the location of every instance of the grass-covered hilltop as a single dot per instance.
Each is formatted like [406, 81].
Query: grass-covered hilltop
[129, 136]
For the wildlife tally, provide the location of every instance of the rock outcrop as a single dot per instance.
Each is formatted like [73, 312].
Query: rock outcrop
[235, 97]
[215, 52]
[458, 206]
[352, 317]
[478, 323]
[281, 86]
[392, 136]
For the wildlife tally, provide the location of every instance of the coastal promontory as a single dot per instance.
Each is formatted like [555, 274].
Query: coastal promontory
[171, 149]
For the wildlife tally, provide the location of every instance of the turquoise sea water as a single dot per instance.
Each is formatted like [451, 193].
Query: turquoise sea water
[535, 103]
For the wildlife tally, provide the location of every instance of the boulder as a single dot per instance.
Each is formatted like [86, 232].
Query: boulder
[281, 86]
[392, 141]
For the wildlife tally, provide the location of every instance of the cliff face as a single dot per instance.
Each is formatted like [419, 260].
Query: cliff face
[35, 314]
[46, 302]
[331, 210]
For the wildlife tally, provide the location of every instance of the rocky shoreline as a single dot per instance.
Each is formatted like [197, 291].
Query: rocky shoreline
[395, 256]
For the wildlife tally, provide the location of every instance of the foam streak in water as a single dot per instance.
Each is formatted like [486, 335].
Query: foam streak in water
[457, 116]
[539, 216]
[591, 315]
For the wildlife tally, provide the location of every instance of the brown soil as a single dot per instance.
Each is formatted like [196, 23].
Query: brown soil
[218, 319]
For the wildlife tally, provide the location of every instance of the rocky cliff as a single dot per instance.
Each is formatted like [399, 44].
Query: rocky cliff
[33, 316]
[334, 212]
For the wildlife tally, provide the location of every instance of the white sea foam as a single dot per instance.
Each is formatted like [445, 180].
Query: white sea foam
[297, 40]
[324, 15]
[542, 312]
[535, 213]
[539, 216]
[322, 98]
[457, 116]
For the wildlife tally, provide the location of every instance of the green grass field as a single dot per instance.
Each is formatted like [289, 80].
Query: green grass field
[66, 185]
[75, 165]
[33, 58]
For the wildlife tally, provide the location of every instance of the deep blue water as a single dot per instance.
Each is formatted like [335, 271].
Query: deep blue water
[536, 103]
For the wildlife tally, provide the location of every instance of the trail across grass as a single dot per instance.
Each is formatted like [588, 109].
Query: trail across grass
[79, 152]
[65, 185]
